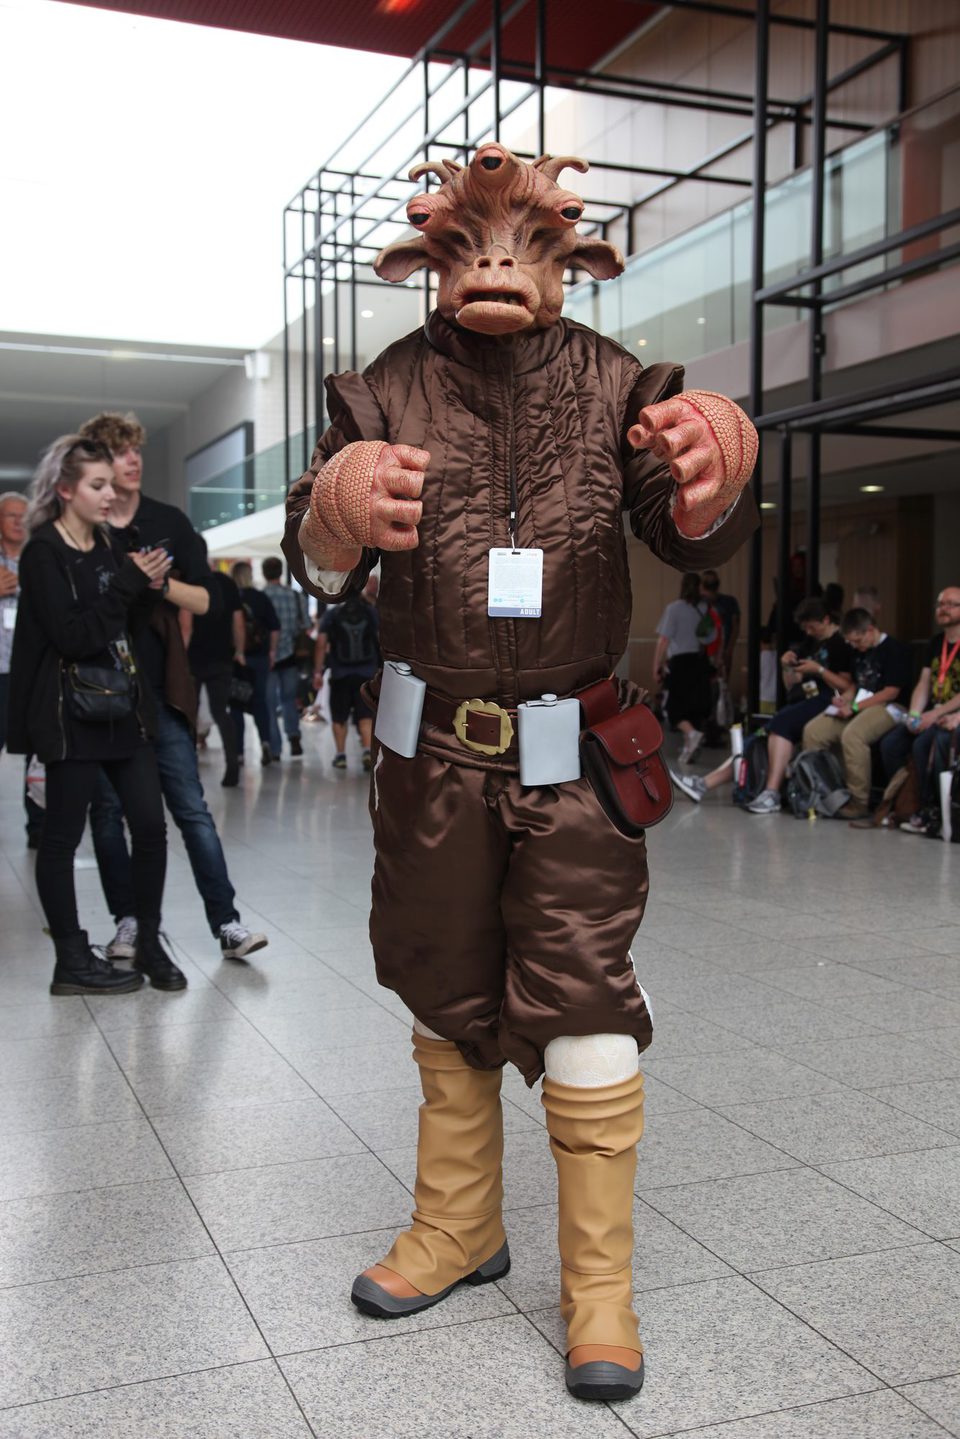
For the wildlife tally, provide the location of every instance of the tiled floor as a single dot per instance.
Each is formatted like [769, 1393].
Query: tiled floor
[188, 1183]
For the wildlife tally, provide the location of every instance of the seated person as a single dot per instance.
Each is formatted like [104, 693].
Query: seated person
[823, 665]
[858, 716]
[927, 730]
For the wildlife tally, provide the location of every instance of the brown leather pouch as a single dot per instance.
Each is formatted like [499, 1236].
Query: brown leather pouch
[620, 753]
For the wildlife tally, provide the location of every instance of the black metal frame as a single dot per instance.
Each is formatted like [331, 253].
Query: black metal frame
[337, 220]
[341, 211]
[849, 414]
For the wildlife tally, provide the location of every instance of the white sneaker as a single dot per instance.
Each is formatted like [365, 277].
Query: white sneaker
[236, 941]
[693, 785]
[691, 747]
[766, 802]
[124, 942]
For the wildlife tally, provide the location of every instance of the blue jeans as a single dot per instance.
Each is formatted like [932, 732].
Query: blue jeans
[901, 742]
[282, 693]
[183, 792]
[258, 672]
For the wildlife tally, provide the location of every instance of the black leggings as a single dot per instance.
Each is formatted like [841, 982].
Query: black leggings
[70, 789]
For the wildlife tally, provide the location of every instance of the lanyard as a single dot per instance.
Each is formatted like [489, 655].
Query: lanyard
[946, 660]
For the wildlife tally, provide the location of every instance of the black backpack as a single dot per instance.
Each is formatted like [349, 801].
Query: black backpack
[354, 640]
[750, 770]
[815, 784]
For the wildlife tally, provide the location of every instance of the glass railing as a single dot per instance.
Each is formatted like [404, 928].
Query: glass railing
[256, 483]
[690, 296]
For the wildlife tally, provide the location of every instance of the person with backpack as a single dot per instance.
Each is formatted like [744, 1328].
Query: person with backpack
[352, 635]
[261, 635]
[680, 662]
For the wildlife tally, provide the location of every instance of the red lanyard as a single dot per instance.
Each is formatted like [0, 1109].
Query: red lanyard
[946, 660]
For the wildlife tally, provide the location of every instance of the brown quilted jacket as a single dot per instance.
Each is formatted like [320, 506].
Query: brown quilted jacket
[555, 405]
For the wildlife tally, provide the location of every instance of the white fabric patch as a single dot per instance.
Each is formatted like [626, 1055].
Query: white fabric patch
[425, 1030]
[590, 1061]
[330, 581]
[646, 998]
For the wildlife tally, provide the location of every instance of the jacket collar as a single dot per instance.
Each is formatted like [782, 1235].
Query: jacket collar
[481, 352]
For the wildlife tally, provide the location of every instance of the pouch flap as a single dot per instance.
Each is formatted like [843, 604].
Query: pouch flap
[598, 702]
[630, 736]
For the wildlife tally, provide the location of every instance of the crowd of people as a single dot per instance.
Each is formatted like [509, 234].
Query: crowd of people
[848, 688]
[112, 619]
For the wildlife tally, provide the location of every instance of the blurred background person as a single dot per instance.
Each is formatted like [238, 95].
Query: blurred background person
[290, 608]
[680, 663]
[350, 635]
[261, 634]
[13, 534]
[214, 639]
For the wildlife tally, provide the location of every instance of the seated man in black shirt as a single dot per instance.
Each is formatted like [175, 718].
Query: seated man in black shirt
[882, 672]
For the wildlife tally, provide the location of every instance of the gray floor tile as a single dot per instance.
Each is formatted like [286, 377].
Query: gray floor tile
[149, 1007]
[882, 1415]
[793, 1216]
[675, 1032]
[897, 1313]
[230, 1082]
[54, 1236]
[421, 1387]
[54, 1161]
[662, 1256]
[285, 1203]
[922, 1188]
[108, 1329]
[721, 1350]
[249, 1399]
[946, 1039]
[816, 1128]
[299, 1294]
[697, 1144]
[319, 1031]
[83, 1051]
[372, 1066]
[202, 1141]
[738, 1078]
[158, 1049]
[936, 1101]
[791, 1020]
[872, 1060]
[56, 1014]
[909, 1011]
[829, 981]
[67, 1101]
[328, 991]
[940, 1398]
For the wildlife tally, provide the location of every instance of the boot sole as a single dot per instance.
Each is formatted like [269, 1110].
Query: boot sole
[602, 1380]
[371, 1298]
[171, 984]
[132, 982]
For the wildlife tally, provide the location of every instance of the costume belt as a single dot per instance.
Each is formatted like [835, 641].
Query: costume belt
[486, 727]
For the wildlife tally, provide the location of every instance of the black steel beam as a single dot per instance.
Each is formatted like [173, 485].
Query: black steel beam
[760, 126]
[858, 257]
[714, 7]
[898, 432]
[784, 518]
[896, 398]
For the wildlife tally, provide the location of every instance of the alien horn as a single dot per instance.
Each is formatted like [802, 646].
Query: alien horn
[551, 165]
[443, 169]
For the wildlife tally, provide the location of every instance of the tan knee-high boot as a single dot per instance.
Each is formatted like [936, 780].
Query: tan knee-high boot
[593, 1136]
[457, 1230]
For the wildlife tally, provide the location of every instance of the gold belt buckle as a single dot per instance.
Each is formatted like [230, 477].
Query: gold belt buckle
[489, 707]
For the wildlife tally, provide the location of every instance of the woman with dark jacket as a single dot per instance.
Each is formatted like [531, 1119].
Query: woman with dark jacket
[82, 604]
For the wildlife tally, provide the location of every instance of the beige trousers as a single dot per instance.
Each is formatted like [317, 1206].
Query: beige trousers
[855, 737]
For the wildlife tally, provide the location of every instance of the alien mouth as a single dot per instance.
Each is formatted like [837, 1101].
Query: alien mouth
[497, 297]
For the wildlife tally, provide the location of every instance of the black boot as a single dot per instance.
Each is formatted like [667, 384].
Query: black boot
[152, 960]
[80, 970]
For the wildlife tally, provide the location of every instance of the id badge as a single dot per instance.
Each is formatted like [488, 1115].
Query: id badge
[515, 584]
[9, 617]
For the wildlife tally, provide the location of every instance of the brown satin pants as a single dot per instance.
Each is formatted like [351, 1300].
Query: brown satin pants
[503, 916]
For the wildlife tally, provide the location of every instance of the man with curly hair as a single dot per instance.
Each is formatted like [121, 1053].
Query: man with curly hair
[138, 520]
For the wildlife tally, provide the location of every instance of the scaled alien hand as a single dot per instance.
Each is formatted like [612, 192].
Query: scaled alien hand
[367, 494]
[712, 449]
